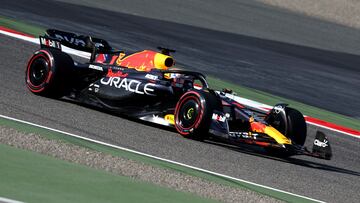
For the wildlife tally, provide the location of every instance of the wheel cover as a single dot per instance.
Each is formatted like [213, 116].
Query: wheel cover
[38, 72]
[188, 113]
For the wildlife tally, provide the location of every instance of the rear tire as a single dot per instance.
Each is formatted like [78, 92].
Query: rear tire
[47, 73]
[193, 114]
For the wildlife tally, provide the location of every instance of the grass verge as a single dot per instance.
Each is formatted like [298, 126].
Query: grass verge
[21, 26]
[32, 177]
[147, 160]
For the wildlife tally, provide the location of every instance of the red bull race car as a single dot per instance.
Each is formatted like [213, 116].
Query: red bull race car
[145, 85]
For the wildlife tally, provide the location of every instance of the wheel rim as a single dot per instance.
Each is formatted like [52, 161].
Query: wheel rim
[38, 72]
[189, 113]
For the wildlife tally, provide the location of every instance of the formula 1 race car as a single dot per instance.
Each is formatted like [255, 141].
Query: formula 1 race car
[146, 86]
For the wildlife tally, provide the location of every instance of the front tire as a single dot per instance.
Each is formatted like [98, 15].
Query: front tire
[193, 114]
[292, 125]
[297, 129]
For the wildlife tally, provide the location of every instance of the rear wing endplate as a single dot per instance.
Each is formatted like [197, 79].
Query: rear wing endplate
[46, 42]
[321, 146]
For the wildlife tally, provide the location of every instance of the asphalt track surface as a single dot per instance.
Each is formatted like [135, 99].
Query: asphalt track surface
[326, 79]
[333, 181]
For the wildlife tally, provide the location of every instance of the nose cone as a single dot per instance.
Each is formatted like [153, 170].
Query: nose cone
[278, 136]
[270, 131]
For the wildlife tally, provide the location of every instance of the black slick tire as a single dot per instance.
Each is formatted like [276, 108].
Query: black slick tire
[47, 73]
[193, 114]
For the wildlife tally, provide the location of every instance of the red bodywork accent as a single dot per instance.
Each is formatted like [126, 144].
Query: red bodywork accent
[198, 118]
[257, 127]
[113, 59]
[238, 105]
[264, 144]
[117, 74]
[100, 58]
[38, 88]
[198, 86]
[141, 61]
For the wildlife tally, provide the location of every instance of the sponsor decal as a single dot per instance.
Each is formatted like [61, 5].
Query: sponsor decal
[117, 68]
[50, 43]
[320, 143]
[151, 77]
[71, 40]
[96, 67]
[171, 75]
[159, 120]
[116, 74]
[170, 118]
[94, 87]
[278, 109]
[155, 119]
[141, 61]
[129, 85]
[218, 117]
[75, 41]
[246, 135]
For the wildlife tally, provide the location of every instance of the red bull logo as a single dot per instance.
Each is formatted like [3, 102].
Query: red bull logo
[146, 61]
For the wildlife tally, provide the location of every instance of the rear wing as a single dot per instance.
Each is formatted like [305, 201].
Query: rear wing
[78, 42]
[55, 38]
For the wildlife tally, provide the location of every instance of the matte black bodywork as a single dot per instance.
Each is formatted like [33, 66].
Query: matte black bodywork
[153, 95]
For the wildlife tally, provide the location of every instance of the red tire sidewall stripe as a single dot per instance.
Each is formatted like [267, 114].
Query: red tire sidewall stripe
[38, 88]
[198, 118]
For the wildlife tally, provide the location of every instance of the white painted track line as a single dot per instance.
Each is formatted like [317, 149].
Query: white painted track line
[157, 158]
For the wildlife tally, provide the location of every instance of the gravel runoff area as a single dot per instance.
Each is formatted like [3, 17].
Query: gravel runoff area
[126, 167]
[344, 12]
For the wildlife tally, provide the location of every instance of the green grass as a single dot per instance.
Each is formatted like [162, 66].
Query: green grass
[218, 84]
[21, 26]
[32, 177]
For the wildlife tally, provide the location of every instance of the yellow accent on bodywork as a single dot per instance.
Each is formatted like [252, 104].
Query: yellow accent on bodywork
[170, 118]
[159, 61]
[278, 136]
[251, 119]
[121, 55]
[190, 112]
